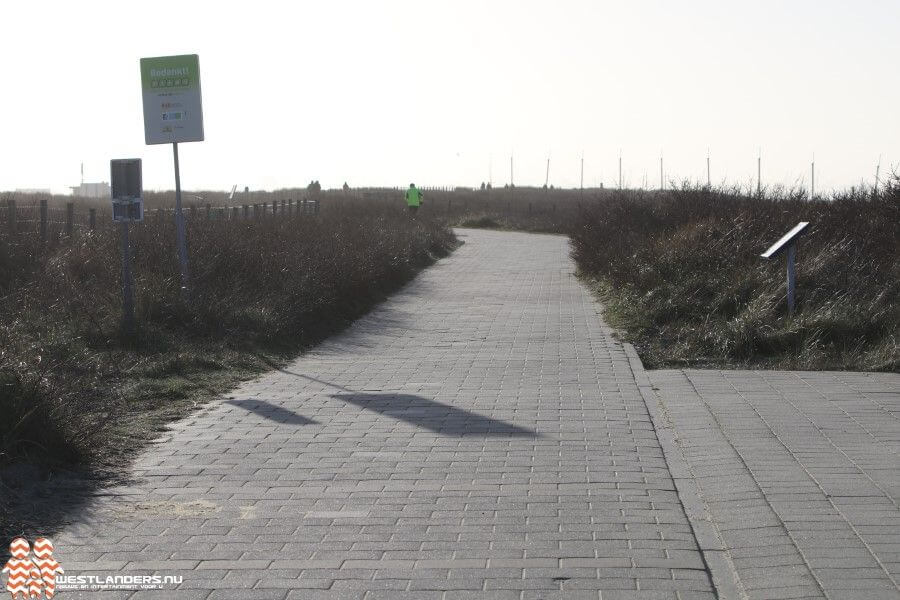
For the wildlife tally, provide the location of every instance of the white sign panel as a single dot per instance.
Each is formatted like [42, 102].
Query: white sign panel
[173, 110]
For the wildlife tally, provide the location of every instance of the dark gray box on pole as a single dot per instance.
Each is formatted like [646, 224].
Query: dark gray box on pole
[126, 183]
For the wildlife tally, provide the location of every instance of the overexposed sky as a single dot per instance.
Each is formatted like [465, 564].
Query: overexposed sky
[441, 93]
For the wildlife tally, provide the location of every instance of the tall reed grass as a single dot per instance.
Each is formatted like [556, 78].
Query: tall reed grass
[680, 273]
[74, 390]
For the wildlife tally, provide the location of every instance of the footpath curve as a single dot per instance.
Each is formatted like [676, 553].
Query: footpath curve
[481, 434]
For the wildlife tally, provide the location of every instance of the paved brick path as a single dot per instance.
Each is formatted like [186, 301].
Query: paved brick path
[799, 475]
[479, 435]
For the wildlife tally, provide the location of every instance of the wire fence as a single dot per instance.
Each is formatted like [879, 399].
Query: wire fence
[55, 217]
[46, 220]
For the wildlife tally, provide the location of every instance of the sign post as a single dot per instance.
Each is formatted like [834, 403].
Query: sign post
[128, 206]
[788, 245]
[173, 113]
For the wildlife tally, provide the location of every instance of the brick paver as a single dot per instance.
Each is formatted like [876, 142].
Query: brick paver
[479, 435]
[798, 472]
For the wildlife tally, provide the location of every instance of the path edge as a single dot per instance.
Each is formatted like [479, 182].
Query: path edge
[718, 563]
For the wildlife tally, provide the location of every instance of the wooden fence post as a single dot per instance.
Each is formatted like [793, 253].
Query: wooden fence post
[44, 220]
[11, 220]
[246, 211]
[92, 218]
[70, 217]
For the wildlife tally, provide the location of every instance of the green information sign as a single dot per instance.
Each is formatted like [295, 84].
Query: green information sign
[173, 108]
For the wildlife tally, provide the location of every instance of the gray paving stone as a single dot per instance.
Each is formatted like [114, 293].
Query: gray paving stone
[638, 595]
[247, 595]
[560, 595]
[325, 595]
[800, 446]
[481, 428]
[156, 595]
[99, 595]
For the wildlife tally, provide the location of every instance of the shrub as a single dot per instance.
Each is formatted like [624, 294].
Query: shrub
[682, 275]
[259, 287]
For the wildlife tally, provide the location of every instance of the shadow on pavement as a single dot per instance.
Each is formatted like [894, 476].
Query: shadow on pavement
[270, 411]
[322, 381]
[35, 502]
[440, 418]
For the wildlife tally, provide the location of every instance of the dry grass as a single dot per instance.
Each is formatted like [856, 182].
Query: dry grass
[681, 274]
[74, 392]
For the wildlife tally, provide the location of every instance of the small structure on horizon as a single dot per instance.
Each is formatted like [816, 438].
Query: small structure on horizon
[91, 190]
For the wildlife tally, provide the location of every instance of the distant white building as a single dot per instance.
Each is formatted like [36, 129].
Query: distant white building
[91, 190]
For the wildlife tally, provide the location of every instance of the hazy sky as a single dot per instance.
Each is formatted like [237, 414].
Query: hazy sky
[440, 93]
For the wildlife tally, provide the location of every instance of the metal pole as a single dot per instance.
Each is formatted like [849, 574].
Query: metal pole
[708, 174]
[662, 181]
[813, 184]
[581, 185]
[547, 175]
[759, 173]
[791, 276]
[877, 173]
[620, 170]
[127, 287]
[179, 227]
[510, 170]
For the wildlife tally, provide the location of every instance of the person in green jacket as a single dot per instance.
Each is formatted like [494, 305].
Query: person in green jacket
[413, 198]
